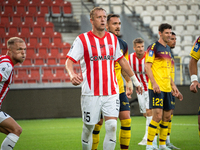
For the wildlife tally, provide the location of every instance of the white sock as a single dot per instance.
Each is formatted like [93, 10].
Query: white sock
[168, 139]
[9, 142]
[162, 146]
[148, 120]
[110, 138]
[86, 137]
[155, 140]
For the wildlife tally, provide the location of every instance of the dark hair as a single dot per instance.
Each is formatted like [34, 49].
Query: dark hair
[93, 10]
[173, 33]
[137, 40]
[112, 15]
[164, 26]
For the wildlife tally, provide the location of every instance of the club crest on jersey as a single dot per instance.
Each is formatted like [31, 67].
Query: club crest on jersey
[97, 58]
[150, 53]
[196, 47]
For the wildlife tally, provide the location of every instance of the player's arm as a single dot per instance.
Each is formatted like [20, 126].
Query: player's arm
[129, 84]
[126, 67]
[156, 88]
[193, 74]
[75, 79]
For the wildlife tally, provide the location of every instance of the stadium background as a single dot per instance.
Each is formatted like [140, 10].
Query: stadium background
[41, 87]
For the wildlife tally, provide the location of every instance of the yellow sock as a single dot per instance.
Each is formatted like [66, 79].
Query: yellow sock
[158, 129]
[95, 136]
[151, 132]
[125, 134]
[170, 126]
[163, 132]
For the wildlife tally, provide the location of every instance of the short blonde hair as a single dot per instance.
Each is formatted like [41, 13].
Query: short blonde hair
[12, 40]
[93, 10]
[137, 40]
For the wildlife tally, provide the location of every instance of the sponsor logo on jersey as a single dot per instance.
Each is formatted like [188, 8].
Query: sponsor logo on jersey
[196, 47]
[97, 58]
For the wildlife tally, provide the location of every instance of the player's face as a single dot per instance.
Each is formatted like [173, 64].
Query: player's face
[166, 35]
[114, 26]
[139, 49]
[172, 41]
[99, 20]
[18, 52]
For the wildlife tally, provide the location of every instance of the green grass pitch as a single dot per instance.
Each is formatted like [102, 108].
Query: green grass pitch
[65, 134]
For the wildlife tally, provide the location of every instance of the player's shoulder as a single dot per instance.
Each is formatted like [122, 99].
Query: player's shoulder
[198, 40]
[152, 46]
[5, 63]
[121, 41]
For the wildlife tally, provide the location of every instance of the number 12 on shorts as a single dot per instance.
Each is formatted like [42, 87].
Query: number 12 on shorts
[87, 116]
[157, 102]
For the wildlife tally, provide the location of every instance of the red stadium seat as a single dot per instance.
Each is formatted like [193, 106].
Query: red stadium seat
[21, 9]
[44, 10]
[67, 9]
[32, 40]
[27, 62]
[43, 51]
[47, 75]
[8, 9]
[24, 31]
[34, 75]
[52, 61]
[56, 10]
[20, 75]
[5, 19]
[15, 20]
[32, 9]
[62, 74]
[31, 52]
[39, 61]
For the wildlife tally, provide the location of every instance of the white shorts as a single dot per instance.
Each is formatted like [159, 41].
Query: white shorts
[143, 101]
[93, 106]
[3, 116]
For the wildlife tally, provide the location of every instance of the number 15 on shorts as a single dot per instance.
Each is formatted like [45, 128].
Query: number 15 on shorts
[87, 116]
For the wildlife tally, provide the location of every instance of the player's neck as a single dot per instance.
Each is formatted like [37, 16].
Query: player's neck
[139, 56]
[98, 33]
[162, 42]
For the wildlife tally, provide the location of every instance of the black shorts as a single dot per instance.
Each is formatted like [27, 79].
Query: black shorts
[162, 100]
[173, 102]
[199, 110]
[124, 103]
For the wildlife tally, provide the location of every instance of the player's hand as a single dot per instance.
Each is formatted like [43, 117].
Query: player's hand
[180, 96]
[75, 79]
[129, 89]
[193, 86]
[156, 88]
[139, 90]
[175, 91]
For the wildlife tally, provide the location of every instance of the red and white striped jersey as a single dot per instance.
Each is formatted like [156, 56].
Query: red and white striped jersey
[97, 57]
[137, 66]
[6, 74]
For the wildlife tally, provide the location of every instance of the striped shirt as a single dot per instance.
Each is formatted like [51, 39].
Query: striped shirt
[138, 68]
[97, 58]
[6, 74]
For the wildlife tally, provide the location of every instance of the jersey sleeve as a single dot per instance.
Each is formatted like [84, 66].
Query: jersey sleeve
[76, 51]
[118, 54]
[5, 71]
[195, 52]
[150, 54]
